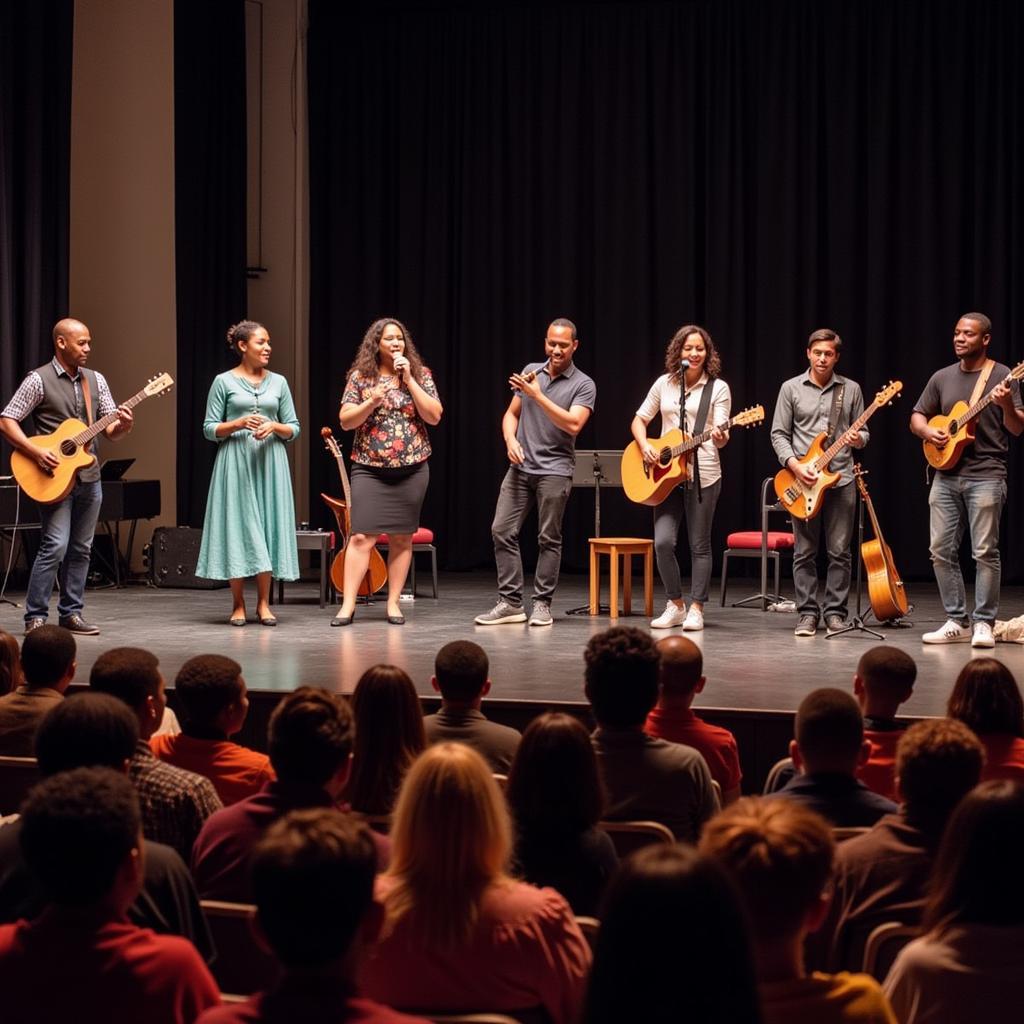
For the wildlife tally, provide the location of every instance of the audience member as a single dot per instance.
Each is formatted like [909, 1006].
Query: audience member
[968, 964]
[81, 960]
[646, 778]
[312, 880]
[779, 854]
[460, 676]
[174, 802]
[10, 663]
[388, 738]
[48, 665]
[680, 678]
[214, 704]
[459, 934]
[557, 798]
[883, 681]
[987, 700]
[828, 749]
[654, 963]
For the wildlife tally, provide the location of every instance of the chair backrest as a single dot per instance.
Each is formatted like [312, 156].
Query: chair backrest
[779, 774]
[501, 780]
[769, 503]
[840, 833]
[628, 836]
[17, 776]
[473, 1018]
[241, 965]
[883, 946]
[717, 787]
[589, 926]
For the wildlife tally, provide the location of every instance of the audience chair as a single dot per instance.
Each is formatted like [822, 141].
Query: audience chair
[473, 1018]
[778, 775]
[422, 542]
[589, 926]
[501, 780]
[717, 787]
[628, 836]
[17, 776]
[241, 965]
[883, 946]
[840, 833]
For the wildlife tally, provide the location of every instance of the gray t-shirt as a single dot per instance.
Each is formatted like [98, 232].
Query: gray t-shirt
[986, 457]
[548, 450]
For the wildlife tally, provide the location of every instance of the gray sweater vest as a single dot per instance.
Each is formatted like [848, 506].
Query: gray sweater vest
[60, 402]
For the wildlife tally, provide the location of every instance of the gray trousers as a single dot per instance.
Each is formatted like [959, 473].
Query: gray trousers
[835, 522]
[699, 516]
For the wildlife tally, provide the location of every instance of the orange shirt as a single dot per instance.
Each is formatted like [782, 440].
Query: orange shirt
[879, 772]
[1004, 757]
[235, 771]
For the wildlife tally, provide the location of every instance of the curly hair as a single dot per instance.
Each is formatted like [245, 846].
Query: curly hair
[242, 331]
[674, 353]
[621, 676]
[367, 360]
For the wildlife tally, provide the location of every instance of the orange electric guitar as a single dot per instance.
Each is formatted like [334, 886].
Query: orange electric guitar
[804, 502]
[652, 484]
[377, 571]
[885, 588]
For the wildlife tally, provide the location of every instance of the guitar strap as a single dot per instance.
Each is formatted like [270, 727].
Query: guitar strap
[979, 384]
[87, 398]
[700, 424]
[835, 413]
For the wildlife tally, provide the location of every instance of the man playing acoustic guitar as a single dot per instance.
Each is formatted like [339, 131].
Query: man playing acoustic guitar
[971, 491]
[63, 389]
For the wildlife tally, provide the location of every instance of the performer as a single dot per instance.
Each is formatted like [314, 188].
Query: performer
[972, 493]
[552, 404]
[63, 389]
[389, 400]
[815, 401]
[249, 529]
[689, 395]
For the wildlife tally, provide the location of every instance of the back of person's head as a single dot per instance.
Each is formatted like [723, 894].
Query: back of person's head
[937, 763]
[779, 854]
[654, 963]
[310, 736]
[11, 676]
[681, 666]
[47, 653]
[986, 698]
[206, 686]
[554, 785]
[621, 676]
[77, 829]
[887, 675]
[461, 668]
[829, 731]
[977, 877]
[86, 730]
[451, 837]
[312, 883]
[129, 673]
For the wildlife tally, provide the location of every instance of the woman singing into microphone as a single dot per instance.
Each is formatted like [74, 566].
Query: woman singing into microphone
[690, 389]
[389, 400]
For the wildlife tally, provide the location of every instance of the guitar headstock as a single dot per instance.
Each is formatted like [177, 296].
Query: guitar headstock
[1018, 371]
[889, 392]
[330, 442]
[858, 474]
[159, 385]
[747, 418]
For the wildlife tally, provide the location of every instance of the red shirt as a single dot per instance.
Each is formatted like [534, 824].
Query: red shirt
[235, 771]
[1004, 757]
[879, 772]
[716, 745]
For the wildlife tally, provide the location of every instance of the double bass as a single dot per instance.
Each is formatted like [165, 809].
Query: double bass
[885, 588]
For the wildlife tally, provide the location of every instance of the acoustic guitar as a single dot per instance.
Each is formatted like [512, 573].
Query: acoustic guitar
[885, 588]
[69, 442]
[804, 502]
[377, 571]
[960, 425]
[651, 484]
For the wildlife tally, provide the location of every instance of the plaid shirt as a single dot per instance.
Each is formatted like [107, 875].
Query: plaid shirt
[30, 394]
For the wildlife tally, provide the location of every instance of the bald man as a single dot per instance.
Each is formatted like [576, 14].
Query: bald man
[63, 389]
[680, 678]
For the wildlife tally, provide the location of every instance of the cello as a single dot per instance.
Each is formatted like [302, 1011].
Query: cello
[886, 592]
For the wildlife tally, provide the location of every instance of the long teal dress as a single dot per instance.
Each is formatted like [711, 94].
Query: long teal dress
[250, 513]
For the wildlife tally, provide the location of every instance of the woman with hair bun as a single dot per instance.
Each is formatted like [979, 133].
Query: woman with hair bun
[249, 528]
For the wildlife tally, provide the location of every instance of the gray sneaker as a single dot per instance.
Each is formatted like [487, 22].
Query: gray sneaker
[541, 613]
[807, 625]
[501, 613]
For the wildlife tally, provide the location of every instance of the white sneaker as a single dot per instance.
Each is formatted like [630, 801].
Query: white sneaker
[694, 619]
[673, 615]
[951, 633]
[983, 635]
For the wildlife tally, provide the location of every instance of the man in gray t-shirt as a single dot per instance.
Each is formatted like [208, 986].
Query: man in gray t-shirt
[971, 493]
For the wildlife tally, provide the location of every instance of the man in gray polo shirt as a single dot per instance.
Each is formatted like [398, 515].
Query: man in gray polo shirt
[552, 402]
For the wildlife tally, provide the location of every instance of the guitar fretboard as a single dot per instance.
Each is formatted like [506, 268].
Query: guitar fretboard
[840, 443]
[83, 437]
[1015, 374]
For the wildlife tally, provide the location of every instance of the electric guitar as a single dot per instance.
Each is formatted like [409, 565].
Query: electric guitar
[804, 502]
[885, 588]
[652, 484]
[960, 426]
[69, 442]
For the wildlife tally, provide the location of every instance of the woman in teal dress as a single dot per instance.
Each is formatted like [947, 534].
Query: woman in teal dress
[249, 528]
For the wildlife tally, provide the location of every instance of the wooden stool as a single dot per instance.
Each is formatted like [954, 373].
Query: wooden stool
[613, 547]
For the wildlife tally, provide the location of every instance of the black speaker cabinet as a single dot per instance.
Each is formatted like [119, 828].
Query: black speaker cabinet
[172, 556]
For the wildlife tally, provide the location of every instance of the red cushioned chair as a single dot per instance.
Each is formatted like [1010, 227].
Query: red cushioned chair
[422, 540]
[764, 544]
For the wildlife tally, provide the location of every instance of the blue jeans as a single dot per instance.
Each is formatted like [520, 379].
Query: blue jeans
[65, 542]
[957, 503]
[699, 515]
[835, 520]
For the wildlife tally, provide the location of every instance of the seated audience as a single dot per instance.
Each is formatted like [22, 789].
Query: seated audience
[212, 694]
[312, 880]
[882, 875]
[680, 679]
[460, 676]
[459, 934]
[48, 664]
[969, 963]
[81, 959]
[388, 738]
[883, 681]
[779, 854]
[647, 778]
[174, 802]
[557, 798]
[674, 945]
[987, 700]
[828, 749]
[10, 663]
[95, 730]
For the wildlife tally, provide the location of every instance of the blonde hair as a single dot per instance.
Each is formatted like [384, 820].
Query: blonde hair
[451, 839]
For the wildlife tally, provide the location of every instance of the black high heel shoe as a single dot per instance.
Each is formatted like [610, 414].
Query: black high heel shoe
[343, 620]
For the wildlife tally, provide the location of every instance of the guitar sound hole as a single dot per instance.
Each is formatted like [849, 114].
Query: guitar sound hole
[664, 457]
[68, 448]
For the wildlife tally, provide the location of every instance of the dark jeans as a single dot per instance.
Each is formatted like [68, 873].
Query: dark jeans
[835, 521]
[519, 491]
[699, 515]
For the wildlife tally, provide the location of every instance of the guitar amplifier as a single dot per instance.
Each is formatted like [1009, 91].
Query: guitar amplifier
[172, 556]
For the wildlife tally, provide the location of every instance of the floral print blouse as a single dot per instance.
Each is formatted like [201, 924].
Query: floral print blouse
[393, 435]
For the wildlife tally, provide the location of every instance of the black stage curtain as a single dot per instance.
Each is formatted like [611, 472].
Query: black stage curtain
[763, 169]
[35, 150]
[210, 184]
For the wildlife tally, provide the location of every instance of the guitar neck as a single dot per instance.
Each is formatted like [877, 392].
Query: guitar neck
[980, 405]
[345, 488]
[840, 443]
[85, 436]
[696, 440]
